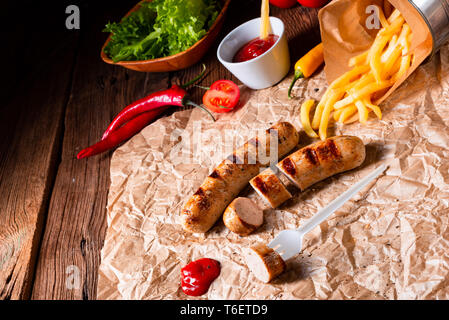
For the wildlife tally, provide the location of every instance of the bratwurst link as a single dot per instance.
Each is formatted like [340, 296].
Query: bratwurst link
[322, 160]
[226, 181]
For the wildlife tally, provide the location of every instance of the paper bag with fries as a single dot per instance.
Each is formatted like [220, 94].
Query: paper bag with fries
[370, 48]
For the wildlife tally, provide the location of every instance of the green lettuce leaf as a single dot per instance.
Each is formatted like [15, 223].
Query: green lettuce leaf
[160, 28]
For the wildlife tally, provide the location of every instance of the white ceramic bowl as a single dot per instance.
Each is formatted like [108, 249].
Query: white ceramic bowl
[263, 71]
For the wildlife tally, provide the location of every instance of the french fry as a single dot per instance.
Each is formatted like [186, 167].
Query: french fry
[391, 46]
[363, 111]
[265, 20]
[375, 53]
[346, 89]
[337, 114]
[349, 76]
[362, 82]
[326, 113]
[331, 91]
[352, 119]
[404, 66]
[361, 59]
[373, 107]
[347, 112]
[388, 64]
[305, 120]
[394, 15]
[378, 45]
[382, 18]
[344, 102]
[393, 28]
[401, 65]
[404, 39]
[319, 110]
[395, 69]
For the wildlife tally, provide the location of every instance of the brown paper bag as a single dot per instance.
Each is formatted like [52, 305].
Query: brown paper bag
[345, 34]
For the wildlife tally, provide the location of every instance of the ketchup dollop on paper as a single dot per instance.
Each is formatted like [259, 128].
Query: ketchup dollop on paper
[197, 276]
[255, 48]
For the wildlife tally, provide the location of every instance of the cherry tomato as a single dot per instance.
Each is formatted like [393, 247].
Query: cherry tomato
[283, 3]
[313, 3]
[223, 96]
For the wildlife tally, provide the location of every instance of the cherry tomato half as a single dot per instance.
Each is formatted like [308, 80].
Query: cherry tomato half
[313, 3]
[223, 96]
[283, 3]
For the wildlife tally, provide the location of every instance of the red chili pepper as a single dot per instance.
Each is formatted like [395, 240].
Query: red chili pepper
[136, 116]
[171, 97]
[121, 134]
[175, 96]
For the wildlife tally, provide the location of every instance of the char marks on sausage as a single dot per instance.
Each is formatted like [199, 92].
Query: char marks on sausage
[199, 192]
[260, 185]
[215, 175]
[289, 166]
[328, 151]
[311, 156]
[203, 199]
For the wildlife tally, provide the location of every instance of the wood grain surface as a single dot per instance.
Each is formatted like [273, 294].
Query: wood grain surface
[31, 129]
[53, 206]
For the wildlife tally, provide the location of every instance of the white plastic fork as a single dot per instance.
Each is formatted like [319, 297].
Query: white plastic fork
[288, 243]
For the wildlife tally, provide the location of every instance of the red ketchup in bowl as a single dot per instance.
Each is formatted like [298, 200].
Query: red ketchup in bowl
[197, 276]
[255, 48]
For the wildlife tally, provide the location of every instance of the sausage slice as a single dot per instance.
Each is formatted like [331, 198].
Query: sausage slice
[270, 188]
[265, 263]
[243, 216]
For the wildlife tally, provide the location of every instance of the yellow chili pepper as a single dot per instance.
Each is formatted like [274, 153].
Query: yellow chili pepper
[307, 65]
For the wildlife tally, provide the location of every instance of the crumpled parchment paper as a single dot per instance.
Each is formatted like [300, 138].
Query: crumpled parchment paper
[391, 241]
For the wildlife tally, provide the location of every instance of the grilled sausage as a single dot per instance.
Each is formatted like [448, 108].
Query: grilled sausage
[207, 204]
[270, 188]
[322, 160]
[265, 263]
[243, 216]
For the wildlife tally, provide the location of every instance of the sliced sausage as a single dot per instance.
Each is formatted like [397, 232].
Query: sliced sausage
[323, 159]
[265, 263]
[243, 216]
[270, 188]
[207, 204]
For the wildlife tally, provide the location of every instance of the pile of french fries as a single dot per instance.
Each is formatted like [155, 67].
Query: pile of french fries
[351, 96]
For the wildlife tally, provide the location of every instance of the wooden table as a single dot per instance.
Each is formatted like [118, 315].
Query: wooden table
[58, 98]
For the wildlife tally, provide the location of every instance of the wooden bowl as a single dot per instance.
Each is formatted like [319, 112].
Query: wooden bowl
[180, 60]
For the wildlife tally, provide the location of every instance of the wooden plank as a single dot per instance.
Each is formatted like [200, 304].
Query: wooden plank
[30, 127]
[76, 222]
